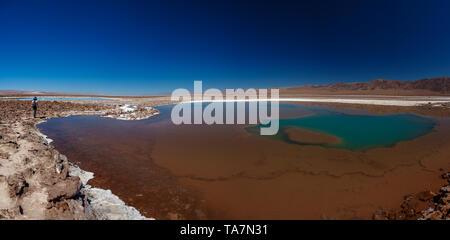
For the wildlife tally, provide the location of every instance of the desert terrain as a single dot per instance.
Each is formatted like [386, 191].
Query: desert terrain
[37, 182]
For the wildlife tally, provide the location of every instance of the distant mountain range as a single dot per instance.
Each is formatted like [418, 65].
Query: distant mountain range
[427, 86]
[423, 87]
[12, 93]
[19, 92]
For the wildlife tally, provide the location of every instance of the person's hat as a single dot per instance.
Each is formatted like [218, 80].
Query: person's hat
[35, 98]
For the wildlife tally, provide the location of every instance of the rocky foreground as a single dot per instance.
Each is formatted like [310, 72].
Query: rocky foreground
[425, 205]
[37, 182]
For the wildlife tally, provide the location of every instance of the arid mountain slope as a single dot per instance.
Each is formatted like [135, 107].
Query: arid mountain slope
[428, 86]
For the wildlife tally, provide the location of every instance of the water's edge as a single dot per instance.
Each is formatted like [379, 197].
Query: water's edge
[105, 204]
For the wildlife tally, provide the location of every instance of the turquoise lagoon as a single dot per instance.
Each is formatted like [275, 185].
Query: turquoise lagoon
[357, 132]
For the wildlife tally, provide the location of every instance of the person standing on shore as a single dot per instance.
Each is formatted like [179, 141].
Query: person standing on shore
[34, 104]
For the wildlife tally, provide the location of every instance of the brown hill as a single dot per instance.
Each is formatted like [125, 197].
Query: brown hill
[428, 86]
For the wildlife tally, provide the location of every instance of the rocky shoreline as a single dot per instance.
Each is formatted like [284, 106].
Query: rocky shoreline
[37, 182]
[425, 205]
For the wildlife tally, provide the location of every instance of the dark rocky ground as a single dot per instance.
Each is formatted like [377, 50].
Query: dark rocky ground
[425, 205]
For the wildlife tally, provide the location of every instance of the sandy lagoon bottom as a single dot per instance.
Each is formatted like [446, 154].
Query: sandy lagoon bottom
[228, 172]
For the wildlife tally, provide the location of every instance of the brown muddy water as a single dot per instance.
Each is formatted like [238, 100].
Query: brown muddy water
[226, 172]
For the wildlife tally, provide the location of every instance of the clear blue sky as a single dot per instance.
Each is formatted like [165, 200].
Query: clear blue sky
[152, 47]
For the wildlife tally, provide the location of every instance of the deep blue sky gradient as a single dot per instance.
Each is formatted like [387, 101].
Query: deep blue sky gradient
[152, 47]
